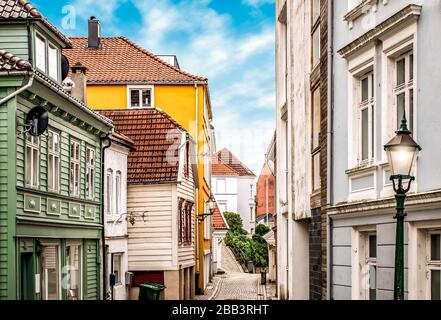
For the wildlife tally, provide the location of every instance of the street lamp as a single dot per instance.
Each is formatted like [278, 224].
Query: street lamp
[211, 208]
[401, 151]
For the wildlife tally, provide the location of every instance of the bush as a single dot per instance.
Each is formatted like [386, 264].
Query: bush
[262, 229]
[246, 248]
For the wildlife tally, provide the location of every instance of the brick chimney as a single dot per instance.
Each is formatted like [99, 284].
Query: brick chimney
[78, 76]
[93, 39]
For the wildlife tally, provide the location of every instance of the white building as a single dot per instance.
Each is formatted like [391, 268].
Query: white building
[115, 207]
[233, 186]
[220, 229]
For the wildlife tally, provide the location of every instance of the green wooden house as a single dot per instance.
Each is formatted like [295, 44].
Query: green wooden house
[50, 186]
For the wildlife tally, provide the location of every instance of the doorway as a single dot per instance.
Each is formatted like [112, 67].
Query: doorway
[27, 290]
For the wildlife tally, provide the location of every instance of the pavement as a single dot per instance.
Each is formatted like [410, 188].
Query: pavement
[235, 284]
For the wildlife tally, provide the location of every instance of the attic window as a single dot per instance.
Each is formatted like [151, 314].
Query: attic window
[47, 57]
[140, 97]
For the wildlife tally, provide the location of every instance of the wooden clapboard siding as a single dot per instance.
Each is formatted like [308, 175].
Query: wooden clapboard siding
[91, 279]
[14, 39]
[185, 190]
[150, 242]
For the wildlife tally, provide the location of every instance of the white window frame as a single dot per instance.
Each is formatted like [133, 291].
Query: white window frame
[361, 261]
[140, 88]
[369, 105]
[90, 173]
[405, 88]
[430, 264]
[54, 185]
[43, 275]
[109, 192]
[418, 256]
[118, 193]
[80, 264]
[32, 143]
[218, 190]
[47, 44]
[121, 257]
[74, 186]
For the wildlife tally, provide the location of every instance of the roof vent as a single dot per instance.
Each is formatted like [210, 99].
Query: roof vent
[93, 40]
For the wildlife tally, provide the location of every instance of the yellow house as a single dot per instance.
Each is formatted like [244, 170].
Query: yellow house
[122, 75]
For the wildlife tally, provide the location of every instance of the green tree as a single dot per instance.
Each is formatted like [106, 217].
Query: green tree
[262, 229]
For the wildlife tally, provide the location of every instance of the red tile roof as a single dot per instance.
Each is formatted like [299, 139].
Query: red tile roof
[24, 10]
[225, 163]
[122, 61]
[265, 184]
[156, 137]
[10, 62]
[218, 220]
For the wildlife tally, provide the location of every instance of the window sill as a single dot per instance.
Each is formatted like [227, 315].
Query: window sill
[360, 10]
[367, 167]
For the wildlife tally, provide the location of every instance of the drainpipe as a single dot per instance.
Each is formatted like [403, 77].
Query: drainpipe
[330, 109]
[17, 92]
[103, 236]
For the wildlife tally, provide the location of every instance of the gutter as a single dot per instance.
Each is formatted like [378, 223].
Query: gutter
[330, 107]
[17, 92]
[103, 237]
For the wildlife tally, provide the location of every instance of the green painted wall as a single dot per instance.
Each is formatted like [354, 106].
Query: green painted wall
[14, 39]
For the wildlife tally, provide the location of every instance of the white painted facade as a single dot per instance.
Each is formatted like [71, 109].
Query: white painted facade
[236, 194]
[293, 156]
[115, 208]
[154, 235]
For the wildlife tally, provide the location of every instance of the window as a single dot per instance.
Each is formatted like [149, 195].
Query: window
[73, 270]
[109, 191]
[90, 172]
[434, 265]
[222, 206]
[32, 160]
[185, 222]
[403, 90]
[366, 118]
[46, 57]
[141, 97]
[187, 160]
[54, 161]
[116, 267]
[315, 139]
[221, 186]
[315, 32]
[50, 266]
[118, 193]
[251, 191]
[53, 61]
[40, 52]
[74, 168]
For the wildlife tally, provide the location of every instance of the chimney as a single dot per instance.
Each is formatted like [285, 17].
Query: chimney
[93, 40]
[79, 90]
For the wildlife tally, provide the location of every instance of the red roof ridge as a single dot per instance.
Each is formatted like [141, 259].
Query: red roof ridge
[234, 165]
[30, 8]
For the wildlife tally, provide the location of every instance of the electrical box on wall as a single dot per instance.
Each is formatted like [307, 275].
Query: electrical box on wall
[112, 279]
[129, 278]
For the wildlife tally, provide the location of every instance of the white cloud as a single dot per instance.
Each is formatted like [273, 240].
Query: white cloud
[256, 3]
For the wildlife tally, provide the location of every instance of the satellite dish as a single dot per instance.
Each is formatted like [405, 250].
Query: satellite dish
[64, 67]
[37, 121]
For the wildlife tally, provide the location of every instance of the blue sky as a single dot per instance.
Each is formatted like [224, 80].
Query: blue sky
[229, 41]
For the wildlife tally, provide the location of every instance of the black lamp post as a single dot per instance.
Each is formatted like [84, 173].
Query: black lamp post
[211, 208]
[401, 151]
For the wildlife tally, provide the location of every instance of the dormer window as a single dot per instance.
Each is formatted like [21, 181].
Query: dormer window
[46, 57]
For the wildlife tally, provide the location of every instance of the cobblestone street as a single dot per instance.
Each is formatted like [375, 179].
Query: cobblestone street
[235, 286]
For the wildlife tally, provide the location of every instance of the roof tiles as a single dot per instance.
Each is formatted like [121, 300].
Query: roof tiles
[225, 163]
[122, 61]
[156, 138]
[218, 220]
[10, 62]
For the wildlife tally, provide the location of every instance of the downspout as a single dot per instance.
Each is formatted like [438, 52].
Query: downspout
[330, 108]
[17, 92]
[103, 236]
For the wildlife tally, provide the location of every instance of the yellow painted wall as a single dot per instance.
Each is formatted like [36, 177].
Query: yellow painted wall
[107, 97]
